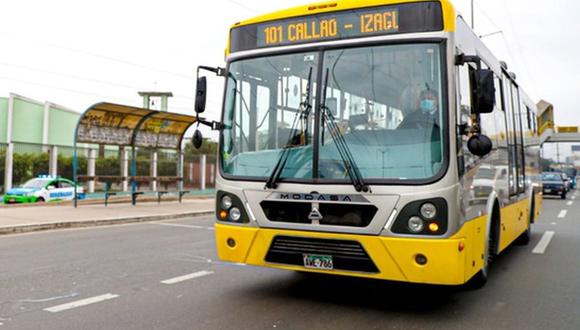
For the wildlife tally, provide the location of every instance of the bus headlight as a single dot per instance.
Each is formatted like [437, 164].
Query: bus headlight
[415, 224]
[428, 211]
[427, 217]
[235, 214]
[230, 208]
[226, 202]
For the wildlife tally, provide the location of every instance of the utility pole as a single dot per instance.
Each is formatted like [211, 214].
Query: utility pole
[472, 17]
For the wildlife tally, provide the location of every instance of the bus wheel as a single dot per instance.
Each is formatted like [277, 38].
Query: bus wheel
[40, 200]
[480, 279]
[525, 237]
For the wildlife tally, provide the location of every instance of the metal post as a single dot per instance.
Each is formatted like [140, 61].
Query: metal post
[53, 161]
[124, 168]
[133, 174]
[472, 17]
[153, 170]
[91, 166]
[180, 171]
[75, 171]
[202, 163]
[8, 165]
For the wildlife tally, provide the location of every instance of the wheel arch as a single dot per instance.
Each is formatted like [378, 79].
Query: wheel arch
[493, 220]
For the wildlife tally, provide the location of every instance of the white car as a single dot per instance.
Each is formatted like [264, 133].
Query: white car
[43, 189]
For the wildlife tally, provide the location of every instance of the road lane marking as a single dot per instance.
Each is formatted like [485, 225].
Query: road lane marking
[187, 277]
[570, 203]
[80, 303]
[562, 214]
[543, 243]
[553, 223]
[178, 225]
[574, 197]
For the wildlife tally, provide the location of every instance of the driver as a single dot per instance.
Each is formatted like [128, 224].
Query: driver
[426, 113]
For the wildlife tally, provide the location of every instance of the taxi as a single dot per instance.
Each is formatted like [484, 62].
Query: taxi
[43, 189]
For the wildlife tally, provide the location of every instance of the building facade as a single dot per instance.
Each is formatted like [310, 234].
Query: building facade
[29, 126]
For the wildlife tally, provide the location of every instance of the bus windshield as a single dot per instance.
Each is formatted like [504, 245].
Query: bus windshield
[387, 102]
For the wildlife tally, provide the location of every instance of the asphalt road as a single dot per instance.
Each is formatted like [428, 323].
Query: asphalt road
[165, 276]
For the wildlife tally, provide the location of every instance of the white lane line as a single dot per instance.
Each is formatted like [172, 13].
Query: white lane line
[562, 214]
[178, 225]
[553, 223]
[574, 197]
[543, 243]
[79, 303]
[187, 277]
[569, 203]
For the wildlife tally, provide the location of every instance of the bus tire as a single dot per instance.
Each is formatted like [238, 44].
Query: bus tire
[525, 237]
[40, 200]
[479, 280]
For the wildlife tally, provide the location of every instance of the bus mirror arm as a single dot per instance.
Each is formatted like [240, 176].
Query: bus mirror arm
[220, 72]
[214, 125]
[461, 59]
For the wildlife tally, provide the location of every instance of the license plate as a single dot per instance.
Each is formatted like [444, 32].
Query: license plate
[316, 261]
[12, 200]
[547, 190]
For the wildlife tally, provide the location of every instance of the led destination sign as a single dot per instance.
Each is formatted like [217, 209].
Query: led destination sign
[402, 18]
[312, 29]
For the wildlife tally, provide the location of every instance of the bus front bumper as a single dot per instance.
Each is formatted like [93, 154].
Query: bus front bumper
[450, 261]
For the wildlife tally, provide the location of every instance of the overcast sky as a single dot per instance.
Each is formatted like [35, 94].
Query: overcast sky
[76, 53]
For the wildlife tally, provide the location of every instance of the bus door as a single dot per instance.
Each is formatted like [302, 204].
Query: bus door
[511, 217]
[512, 158]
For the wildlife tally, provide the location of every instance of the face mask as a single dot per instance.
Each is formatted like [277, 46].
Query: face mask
[428, 106]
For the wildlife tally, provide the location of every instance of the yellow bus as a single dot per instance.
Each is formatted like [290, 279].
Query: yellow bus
[369, 138]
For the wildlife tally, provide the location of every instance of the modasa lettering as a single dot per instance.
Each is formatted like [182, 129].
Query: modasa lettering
[311, 197]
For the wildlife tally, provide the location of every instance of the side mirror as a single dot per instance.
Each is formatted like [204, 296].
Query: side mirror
[197, 139]
[200, 94]
[483, 92]
[479, 145]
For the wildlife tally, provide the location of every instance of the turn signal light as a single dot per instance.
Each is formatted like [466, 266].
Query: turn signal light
[433, 227]
[223, 214]
[461, 246]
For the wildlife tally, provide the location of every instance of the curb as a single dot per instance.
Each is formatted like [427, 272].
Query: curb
[19, 229]
[114, 200]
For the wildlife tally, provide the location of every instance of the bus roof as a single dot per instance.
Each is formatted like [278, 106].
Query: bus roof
[338, 5]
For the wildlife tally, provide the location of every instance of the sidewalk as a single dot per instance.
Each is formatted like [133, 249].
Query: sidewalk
[34, 218]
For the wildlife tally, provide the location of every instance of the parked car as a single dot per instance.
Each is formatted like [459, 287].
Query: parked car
[43, 189]
[554, 184]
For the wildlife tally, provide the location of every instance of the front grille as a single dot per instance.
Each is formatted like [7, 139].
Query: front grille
[333, 214]
[346, 255]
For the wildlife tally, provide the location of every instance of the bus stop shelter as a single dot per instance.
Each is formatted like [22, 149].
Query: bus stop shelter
[126, 126]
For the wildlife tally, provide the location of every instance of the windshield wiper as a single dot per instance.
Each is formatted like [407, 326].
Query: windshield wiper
[302, 113]
[343, 149]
